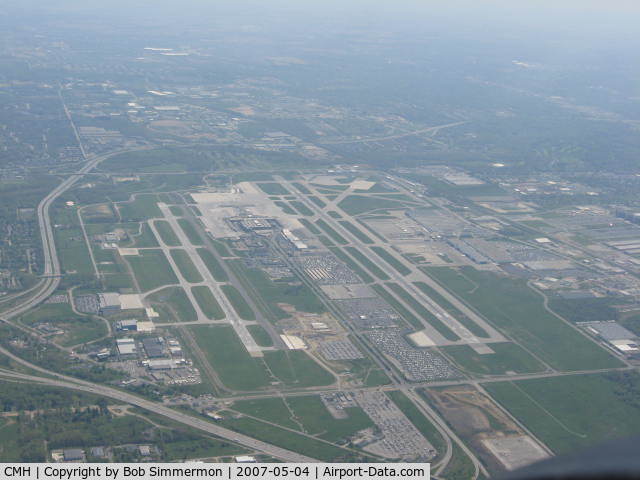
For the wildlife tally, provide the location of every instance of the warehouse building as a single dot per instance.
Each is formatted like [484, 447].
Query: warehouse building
[109, 303]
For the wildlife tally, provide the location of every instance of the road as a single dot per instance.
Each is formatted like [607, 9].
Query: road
[406, 282]
[50, 284]
[157, 408]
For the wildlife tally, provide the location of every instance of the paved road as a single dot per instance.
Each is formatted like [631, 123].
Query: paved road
[406, 282]
[50, 284]
[183, 418]
[239, 325]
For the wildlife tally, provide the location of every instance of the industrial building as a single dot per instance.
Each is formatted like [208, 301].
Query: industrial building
[154, 347]
[618, 337]
[126, 346]
[128, 325]
[108, 303]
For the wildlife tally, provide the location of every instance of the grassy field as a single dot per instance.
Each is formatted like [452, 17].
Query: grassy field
[284, 206]
[177, 302]
[290, 440]
[473, 327]
[301, 208]
[358, 204]
[331, 232]
[213, 265]
[576, 411]
[273, 293]
[260, 335]
[301, 188]
[296, 368]
[166, 233]
[70, 243]
[273, 188]
[152, 270]
[421, 310]
[391, 260]
[367, 263]
[77, 329]
[146, 239]
[187, 269]
[334, 214]
[307, 414]
[317, 420]
[508, 357]
[143, 207]
[229, 358]
[460, 467]
[270, 409]
[221, 248]
[117, 281]
[190, 231]
[353, 265]
[207, 302]
[517, 309]
[238, 302]
[176, 210]
[355, 231]
[310, 226]
[317, 201]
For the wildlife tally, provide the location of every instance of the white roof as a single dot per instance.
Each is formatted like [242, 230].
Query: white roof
[130, 301]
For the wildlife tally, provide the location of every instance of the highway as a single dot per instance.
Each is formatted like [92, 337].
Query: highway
[406, 282]
[183, 418]
[50, 284]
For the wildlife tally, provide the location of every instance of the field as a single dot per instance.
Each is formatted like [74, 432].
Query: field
[177, 302]
[508, 357]
[331, 232]
[310, 226]
[301, 208]
[141, 208]
[187, 269]
[190, 231]
[207, 302]
[70, 243]
[355, 231]
[307, 414]
[273, 293]
[514, 307]
[152, 270]
[176, 210]
[273, 188]
[358, 204]
[391, 260]
[146, 238]
[213, 265]
[117, 281]
[367, 263]
[301, 188]
[77, 329]
[238, 302]
[575, 411]
[296, 368]
[227, 355]
[166, 233]
[317, 201]
[289, 440]
[473, 327]
[260, 335]
[421, 310]
[285, 207]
